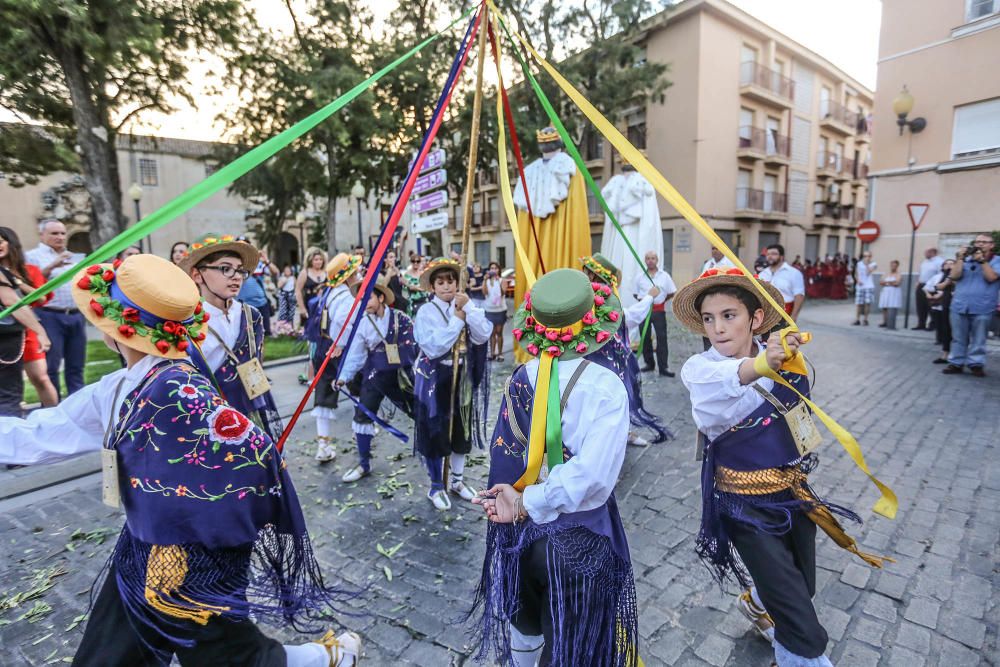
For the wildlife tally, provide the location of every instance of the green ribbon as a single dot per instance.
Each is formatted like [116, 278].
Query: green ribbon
[224, 176]
[580, 164]
[553, 420]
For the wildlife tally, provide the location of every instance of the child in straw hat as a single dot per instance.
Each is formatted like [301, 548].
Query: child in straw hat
[335, 301]
[214, 536]
[557, 580]
[383, 352]
[233, 348]
[759, 515]
[449, 416]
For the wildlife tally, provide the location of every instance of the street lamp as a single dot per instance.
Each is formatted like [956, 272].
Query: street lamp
[902, 105]
[358, 192]
[135, 194]
[300, 220]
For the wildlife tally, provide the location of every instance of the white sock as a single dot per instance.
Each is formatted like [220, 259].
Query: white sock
[756, 598]
[457, 467]
[525, 649]
[324, 427]
[307, 655]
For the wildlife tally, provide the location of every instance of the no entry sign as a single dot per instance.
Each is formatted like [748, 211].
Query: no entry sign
[868, 231]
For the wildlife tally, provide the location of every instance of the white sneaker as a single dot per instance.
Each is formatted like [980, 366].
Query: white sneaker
[439, 499]
[462, 491]
[325, 451]
[761, 620]
[637, 440]
[355, 473]
[344, 649]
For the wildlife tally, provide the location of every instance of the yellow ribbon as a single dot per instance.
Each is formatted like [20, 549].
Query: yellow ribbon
[505, 191]
[536, 441]
[888, 503]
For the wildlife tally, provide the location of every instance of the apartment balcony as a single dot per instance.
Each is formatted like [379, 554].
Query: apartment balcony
[829, 213]
[753, 204]
[758, 144]
[828, 165]
[836, 118]
[765, 85]
[858, 215]
[860, 174]
[846, 171]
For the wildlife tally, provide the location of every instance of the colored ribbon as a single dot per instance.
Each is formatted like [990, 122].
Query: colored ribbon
[887, 504]
[542, 412]
[375, 418]
[224, 176]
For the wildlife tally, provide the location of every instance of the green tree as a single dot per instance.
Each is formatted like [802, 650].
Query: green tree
[87, 67]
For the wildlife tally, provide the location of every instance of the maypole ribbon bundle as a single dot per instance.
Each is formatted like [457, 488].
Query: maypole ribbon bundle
[888, 504]
[224, 176]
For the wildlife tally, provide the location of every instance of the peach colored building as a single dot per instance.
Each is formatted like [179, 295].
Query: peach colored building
[768, 141]
[947, 54]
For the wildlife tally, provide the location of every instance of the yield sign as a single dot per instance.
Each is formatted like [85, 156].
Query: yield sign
[917, 213]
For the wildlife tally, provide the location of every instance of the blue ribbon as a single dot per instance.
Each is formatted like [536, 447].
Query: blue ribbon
[146, 317]
[375, 418]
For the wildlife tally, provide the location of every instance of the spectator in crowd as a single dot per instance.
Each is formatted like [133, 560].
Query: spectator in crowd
[12, 343]
[891, 297]
[25, 278]
[63, 322]
[930, 266]
[415, 295]
[129, 251]
[310, 281]
[475, 288]
[976, 273]
[286, 302]
[658, 318]
[939, 289]
[392, 276]
[864, 287]
[495, 305]
[255, 289]
[716, 261]
[786, 278]
[178, 251]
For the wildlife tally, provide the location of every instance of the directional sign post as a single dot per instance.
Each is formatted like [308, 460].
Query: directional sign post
[917, 214]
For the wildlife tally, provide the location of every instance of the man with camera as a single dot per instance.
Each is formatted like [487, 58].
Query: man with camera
[975, 274]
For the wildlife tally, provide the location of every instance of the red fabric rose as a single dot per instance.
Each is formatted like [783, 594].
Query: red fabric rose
[581, 347]
[598, 300]
[182, 345]
[198, 308]
[200, 337]
[596, 287]
[606, 289]
[566, 337]
[553, 351]
[588, 318]
[552, 334]
[163, 346]
[613, 316]
[130, 315]
[126, 330]
[83, 283]
[204, 316]
[602, 336]
[539, 328]
[115, 264]
[170, 326]
[530, 321]
[93, 270]
[517, 334]
[227, 425]
[181, 330]
[532, 349]
[97, 308]
[108, 276]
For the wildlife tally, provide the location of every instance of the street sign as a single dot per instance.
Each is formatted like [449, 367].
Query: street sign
[434, 160]
[430, 202]
[917, 213]
[868, 231]
[430, 181]
[430, 223]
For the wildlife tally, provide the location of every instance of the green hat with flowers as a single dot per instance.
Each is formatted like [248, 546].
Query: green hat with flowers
[603, 268]
[566, 316]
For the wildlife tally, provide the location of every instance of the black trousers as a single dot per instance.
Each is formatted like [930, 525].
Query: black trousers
[374, 389]
[923, 306]
[783, 568]
[114, 639]
[657, 325]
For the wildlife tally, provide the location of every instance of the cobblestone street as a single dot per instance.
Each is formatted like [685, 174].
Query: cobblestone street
[933, 438]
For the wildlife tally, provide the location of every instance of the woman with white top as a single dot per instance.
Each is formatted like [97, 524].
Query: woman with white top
[891, 297]
[495, 306]
[286, 301]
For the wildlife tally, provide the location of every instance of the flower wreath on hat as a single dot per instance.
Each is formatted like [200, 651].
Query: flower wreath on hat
[209, 241]
[340, 276]
[108, 301]
[537, 338]
[591, 264]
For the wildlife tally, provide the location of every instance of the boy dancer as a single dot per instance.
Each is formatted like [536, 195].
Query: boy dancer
[759, 515]
[234, 345]
[451, 387]
[336, 301]
[214, 534]
[618, 356]
[383, 351]
[557, 580]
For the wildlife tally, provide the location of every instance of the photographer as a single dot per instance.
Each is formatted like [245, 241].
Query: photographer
[975, 275]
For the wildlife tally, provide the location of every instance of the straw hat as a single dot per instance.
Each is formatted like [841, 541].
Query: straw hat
[145, 303]
[381, 285]
[684, 300]
[547, 135]
[212, 243]
[341, 267]
[567, 316]
[437, 266]
[603, 267]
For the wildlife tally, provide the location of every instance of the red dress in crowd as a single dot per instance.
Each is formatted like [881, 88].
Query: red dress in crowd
[32, 352]
[812, 278]
[838, 288]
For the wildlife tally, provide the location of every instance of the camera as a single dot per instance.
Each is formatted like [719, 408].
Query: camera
[970, 250]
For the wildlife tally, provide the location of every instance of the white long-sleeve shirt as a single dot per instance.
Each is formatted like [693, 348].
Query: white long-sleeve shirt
[595, 427]
[338, 307]
[366, 340]
[718, 400]
[435, 335]
[74, 427]
[226, 324]
[661, 279]
[635, 314]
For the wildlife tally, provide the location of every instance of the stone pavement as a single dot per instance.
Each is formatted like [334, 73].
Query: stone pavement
[933, 438]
